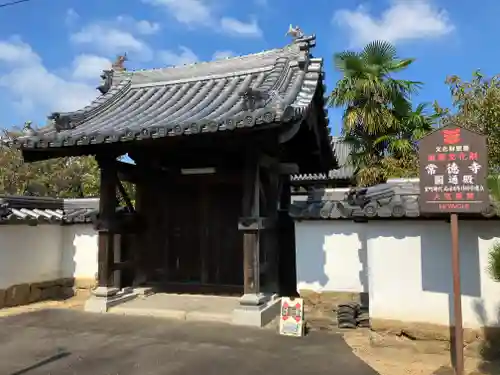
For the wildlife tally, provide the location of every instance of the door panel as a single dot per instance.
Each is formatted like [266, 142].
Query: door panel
[184, 235]
[225, 241]
[204, 247]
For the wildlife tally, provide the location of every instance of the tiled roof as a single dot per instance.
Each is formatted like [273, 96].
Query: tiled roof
[346, 170]
[397, 198]
[241, 92]
[37, 210]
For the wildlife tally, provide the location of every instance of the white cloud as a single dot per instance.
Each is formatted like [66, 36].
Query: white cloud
[146, 27]
[31, 86]
[71, 17]
[218, 55]
[196, 13]
[128, 23]
[112, 40]
[189, 12]
[236, 27]
[184, 56]
[89, 67]
[15, 52]
[404, 20]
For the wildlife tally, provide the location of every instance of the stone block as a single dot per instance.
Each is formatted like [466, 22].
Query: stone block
[256, 316]
[52, 292]
[2, 298]
[17, 295]
[45, 284]
[35, 294]
[68, 282]
[326, 303]
[67, 292]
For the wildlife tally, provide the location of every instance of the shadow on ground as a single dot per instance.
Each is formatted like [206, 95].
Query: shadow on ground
[73, 342]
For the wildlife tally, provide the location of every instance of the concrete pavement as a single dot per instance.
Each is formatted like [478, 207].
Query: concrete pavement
[68, 342]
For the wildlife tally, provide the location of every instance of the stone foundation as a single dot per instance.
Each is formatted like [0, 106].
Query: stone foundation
[327, 302]
[23, 294]
[427, 331]
[481, 342]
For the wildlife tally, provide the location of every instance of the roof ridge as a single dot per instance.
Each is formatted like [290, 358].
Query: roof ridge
[197, 63]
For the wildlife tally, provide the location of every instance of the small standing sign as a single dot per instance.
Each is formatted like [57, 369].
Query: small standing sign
[453, 174]
[292, 317]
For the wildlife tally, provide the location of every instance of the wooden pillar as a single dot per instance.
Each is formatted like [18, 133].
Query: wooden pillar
[251, 260]
[107, 213]
[286, 230]
[249, 224]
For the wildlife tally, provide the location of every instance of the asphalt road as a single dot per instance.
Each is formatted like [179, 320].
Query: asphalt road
[61, 342]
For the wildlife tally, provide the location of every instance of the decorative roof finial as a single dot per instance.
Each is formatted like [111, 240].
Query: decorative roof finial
[294, 32]
[119, 64]
[28, 130]
[6, 137]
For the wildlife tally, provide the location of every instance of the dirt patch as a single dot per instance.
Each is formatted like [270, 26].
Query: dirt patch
[410, 357]
[77, 302]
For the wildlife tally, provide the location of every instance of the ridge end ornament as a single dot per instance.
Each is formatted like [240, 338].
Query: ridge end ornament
[119, 64]
[295, 32]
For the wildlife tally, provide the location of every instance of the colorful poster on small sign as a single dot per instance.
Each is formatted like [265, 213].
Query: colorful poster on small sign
[292, 317]
[453, 171]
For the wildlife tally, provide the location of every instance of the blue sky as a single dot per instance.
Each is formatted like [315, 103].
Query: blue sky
[52, 51]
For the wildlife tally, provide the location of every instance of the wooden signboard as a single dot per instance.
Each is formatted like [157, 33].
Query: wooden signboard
[453, 174]
[453, 171]
[292, 317]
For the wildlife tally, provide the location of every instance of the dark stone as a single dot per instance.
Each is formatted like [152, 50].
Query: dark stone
[17, 295]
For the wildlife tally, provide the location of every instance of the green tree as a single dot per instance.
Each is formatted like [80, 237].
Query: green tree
[62, 177]
[378, 122]
[476, 106]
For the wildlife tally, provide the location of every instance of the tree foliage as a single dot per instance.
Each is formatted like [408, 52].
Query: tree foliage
[73, 177]
[494, 261]
[477, 107]
[379, 122]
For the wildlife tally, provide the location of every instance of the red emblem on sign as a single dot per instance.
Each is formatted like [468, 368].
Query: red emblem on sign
[451, 136]
[291, 311]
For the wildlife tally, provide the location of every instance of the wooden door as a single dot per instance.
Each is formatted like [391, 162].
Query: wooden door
[204, 247]
[184, 237]
[223, 250]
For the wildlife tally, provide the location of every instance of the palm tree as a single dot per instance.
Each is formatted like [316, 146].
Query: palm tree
[378, 119]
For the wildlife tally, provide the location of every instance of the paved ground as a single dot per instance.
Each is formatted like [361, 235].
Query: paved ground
[72, 342]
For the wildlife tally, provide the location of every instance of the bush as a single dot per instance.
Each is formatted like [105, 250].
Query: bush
[494, 261]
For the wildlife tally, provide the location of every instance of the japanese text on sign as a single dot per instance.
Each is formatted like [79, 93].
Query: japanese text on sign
[453, 167]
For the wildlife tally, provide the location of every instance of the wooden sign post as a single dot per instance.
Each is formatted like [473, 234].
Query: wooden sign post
[453, 172]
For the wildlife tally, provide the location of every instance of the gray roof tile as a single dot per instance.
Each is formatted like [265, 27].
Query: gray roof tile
[39, 210]
[346, 171]
[398, 198]
[201, 97]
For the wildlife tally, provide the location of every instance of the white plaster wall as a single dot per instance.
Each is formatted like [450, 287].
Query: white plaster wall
[29, 254]
[411, 277]
[46, 252]
[331, 256]
[408, 269]
[79, 253]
